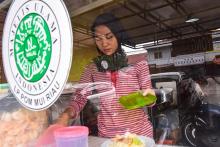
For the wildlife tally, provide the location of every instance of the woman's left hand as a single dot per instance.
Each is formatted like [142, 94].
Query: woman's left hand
[148, 91]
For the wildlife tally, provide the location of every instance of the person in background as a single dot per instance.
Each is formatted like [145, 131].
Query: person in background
[111, 66]
[209, 87]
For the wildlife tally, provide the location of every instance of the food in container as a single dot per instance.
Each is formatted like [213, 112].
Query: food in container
[127, 140]
[18, 126]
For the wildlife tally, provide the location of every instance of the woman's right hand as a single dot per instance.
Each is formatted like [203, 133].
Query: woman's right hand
[64, 118]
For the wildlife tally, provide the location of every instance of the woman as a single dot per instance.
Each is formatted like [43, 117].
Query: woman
[112, 66]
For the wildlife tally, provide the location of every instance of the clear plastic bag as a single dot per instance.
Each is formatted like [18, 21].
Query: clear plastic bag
[92, 91]
[59, 106]
[19, 126]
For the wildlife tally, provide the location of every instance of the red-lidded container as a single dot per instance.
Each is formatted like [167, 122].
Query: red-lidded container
[74, 136]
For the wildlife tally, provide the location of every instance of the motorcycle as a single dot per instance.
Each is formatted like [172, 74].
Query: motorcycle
[200, 121]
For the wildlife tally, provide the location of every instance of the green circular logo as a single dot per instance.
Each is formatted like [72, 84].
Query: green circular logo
[37, 55]
[32, 47]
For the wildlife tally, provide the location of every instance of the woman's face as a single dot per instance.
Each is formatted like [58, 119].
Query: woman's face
[105, 40]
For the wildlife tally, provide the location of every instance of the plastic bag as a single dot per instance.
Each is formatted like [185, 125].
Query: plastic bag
[58, 107]
[69, 94]
[19, 126]
[62, 103]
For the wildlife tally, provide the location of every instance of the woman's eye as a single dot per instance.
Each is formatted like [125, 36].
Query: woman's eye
[109, 36]
[101, 37]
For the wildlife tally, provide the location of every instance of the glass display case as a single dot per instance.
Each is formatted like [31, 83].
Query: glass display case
[165, 113]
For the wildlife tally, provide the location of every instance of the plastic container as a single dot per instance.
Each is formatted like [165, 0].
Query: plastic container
[74, 136]
[19, 126]
[47, 139]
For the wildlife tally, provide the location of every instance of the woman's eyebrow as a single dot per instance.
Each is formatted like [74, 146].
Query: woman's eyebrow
[108, 33]
[103, 34]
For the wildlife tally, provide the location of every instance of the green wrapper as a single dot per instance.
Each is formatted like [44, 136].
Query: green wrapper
[136, 100]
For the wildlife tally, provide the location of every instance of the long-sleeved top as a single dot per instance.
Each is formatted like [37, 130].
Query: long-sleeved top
[113, 118]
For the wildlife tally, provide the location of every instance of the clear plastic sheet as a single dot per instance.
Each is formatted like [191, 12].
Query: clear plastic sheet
[59, 106]
[104, 88]
[18, 126]
[92, 91]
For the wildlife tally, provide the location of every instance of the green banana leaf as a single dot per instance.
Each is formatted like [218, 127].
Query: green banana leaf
[136, 100]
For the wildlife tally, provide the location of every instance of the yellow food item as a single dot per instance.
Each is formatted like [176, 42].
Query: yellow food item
[127, 140]
[3, 91]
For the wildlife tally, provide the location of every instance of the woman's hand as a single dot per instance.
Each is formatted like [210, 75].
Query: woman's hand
[64, 118]
[148, 91]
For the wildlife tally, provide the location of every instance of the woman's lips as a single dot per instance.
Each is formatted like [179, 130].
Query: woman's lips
[107, 50]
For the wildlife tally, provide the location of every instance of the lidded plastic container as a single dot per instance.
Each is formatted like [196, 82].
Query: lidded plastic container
[74, 136]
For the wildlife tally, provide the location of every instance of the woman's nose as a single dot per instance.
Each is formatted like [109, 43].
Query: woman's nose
[104, 42]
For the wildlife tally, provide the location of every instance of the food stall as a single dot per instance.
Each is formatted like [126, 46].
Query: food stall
[34, 124]
[47, 44]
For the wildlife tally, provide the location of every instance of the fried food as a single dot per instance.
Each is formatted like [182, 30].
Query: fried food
[21, 127]
[127, 140]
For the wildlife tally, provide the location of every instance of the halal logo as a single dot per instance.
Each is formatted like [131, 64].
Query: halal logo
[37, 42]
[32, 48]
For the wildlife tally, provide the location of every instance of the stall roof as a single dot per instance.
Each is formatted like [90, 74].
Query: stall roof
[145, 20]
